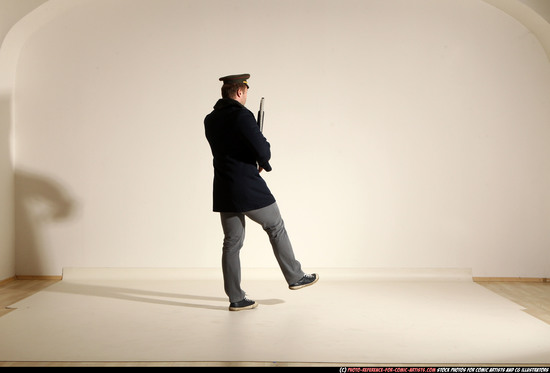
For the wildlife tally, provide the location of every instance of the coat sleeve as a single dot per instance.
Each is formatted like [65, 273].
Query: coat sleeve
[254, 138]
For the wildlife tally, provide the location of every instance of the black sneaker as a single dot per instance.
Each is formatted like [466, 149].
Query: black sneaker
[245, 304]
[307, 280]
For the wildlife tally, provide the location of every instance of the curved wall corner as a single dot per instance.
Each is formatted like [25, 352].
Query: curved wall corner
[529, 17]
[11, 12]
[20, 19]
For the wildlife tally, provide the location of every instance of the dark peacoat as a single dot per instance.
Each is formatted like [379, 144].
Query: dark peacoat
[238, 147]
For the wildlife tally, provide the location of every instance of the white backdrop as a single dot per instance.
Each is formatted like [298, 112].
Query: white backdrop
[404, 134]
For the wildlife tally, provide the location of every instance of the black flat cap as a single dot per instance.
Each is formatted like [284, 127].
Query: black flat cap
[236, 79]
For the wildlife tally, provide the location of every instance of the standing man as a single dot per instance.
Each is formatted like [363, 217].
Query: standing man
[240, 153]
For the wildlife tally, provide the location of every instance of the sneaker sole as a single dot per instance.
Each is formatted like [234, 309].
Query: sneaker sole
[243, 308]
[304, 286]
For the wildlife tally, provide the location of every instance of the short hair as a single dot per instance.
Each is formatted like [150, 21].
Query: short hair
[230, 90]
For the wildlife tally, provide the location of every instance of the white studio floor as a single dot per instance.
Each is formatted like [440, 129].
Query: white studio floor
[365, 317]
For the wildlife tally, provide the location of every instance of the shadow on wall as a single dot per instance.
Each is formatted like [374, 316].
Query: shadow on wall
[38, 201]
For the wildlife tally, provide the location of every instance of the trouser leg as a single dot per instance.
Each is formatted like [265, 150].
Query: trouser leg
[233, 225]
[271, 221]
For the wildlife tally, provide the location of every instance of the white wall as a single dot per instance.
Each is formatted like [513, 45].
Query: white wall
[11, 11]
[404, 134]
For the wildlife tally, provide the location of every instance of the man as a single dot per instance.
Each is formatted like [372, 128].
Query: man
[240, 153]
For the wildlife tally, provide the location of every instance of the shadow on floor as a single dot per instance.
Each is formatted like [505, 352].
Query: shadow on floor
[150, 296]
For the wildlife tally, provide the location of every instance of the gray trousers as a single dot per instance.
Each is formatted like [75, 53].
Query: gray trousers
[233, 225]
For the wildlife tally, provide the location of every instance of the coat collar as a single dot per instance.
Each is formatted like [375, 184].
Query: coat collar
[227, 102]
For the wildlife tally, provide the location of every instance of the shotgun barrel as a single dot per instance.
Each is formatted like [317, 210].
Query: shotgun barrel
[261, 115]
